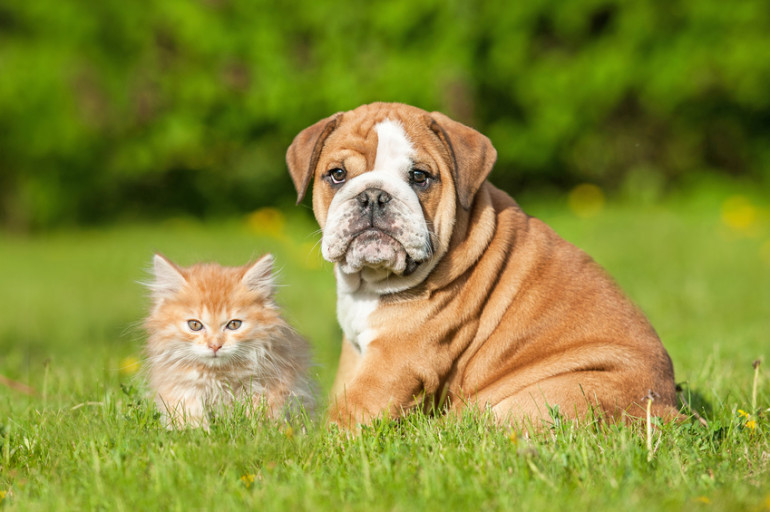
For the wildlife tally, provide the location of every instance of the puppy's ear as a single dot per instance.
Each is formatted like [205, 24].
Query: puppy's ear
[472, 152]
[302, 156]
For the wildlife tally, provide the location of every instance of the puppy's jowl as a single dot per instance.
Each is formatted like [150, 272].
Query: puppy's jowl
[446, 289]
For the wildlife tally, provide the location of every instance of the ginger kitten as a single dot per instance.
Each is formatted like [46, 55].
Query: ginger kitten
[216, 335]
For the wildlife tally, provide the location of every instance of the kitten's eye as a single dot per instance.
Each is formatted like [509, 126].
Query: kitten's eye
[337, 176]
[233, 325]
[194, 325]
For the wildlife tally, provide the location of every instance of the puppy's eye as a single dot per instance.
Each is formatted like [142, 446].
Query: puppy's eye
[419, 178]
[338, 176]
[234, 325]
[194, 325]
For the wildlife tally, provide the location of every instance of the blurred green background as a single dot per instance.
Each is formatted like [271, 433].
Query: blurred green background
[115, 110]
[639, 130]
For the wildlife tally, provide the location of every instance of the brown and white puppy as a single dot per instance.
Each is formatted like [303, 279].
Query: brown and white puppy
[448, 293]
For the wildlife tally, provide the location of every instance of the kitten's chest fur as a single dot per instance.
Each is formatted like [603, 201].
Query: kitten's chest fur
[209, 385]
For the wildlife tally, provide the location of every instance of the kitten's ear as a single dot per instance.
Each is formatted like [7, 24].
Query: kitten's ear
[168, 279]
[259, 276]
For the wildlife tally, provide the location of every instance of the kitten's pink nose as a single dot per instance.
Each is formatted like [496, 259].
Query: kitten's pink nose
[215, 347]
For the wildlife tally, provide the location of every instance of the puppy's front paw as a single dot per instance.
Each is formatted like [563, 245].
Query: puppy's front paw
[348, 418]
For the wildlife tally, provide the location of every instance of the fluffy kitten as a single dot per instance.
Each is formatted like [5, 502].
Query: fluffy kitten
[215, 335]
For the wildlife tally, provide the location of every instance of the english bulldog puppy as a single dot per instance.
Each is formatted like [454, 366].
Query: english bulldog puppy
[449, 295]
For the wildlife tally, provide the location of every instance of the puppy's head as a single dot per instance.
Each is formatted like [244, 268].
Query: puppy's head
[389, 179]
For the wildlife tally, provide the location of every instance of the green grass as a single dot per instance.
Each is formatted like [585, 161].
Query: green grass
[70, 307]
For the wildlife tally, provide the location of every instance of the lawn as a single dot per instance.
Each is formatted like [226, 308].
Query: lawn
[88, 438]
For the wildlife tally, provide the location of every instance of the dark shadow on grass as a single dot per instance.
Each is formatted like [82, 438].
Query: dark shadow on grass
[694, 403]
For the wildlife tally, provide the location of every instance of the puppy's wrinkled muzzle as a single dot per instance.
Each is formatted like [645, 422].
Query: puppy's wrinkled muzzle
[373, 233]
[375, 249]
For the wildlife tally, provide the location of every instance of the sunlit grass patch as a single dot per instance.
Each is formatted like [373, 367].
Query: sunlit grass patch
[90, 437]
[110, 448]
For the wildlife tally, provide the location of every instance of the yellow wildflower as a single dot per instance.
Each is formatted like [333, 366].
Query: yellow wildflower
[129, 366]
[703, 499]
[267, 221]
[751, 424]
[586, 200]
[739, 214]
[514, 437]
[2, 495]
[248, 480]
[743, 414]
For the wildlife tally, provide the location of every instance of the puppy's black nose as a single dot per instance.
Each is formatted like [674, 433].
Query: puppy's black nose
[373, 197]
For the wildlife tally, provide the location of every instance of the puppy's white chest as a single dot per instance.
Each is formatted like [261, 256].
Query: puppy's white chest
[353, 311]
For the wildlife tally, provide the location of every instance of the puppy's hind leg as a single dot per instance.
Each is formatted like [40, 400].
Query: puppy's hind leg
[577, 395]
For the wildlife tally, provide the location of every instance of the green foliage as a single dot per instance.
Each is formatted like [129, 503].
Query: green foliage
[117, 108]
